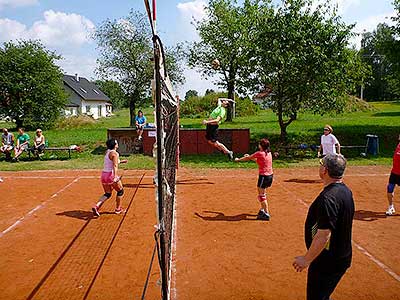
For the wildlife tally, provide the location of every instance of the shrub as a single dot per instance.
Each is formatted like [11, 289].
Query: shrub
[245, 107]
[75, 122]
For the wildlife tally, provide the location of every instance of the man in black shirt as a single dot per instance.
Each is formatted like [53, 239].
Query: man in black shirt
[328, 231]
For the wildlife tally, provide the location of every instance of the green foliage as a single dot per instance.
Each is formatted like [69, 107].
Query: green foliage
[114, 91]
[302, 54]
[75, 122]
[31, 88]
[191, 93]
[245, 107]
[199, 107]
[126, 54]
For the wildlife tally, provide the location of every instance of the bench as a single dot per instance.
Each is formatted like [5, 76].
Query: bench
[69, 149]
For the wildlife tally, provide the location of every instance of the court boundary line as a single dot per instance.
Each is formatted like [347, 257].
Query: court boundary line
[380, 264]
[112, 241]
[69, 177]
[39, 206]
[172, 288]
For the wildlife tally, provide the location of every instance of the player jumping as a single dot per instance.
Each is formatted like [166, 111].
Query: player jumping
[217, 116]
[263, 158]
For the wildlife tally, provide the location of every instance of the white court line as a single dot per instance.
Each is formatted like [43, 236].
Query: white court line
[70, 177]
[172, 287]
[359, 247]
[19, 221]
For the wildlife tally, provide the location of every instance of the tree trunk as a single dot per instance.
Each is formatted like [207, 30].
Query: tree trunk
[132, 113]
[282, 124]
[231, 95]
[18, 122]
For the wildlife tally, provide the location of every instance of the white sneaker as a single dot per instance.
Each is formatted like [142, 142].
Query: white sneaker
[391, 211]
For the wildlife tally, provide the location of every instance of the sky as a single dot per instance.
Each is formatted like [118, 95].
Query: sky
[66, 26]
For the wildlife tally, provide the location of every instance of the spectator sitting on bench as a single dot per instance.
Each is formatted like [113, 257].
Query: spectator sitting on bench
[22, 143]
[140, 122]
[7, 143]
[38, 143]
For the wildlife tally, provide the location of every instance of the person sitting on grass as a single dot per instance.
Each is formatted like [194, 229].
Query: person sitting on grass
[39, 143]
[22, 143]
[217, 116]
[263, 158]
[140, 122]
[7, 143]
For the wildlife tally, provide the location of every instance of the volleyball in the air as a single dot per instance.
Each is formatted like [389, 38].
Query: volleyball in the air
[215, 64]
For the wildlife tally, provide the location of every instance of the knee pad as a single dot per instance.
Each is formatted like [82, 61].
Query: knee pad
[390, 187]
[108, 195]
[120, 193]
[262, 198]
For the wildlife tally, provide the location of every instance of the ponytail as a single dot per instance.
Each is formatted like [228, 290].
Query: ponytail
[264, 143]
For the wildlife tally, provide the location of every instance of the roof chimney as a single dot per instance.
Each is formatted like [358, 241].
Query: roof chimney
[77, 77]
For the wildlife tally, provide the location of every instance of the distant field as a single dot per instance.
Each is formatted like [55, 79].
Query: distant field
[350, 128]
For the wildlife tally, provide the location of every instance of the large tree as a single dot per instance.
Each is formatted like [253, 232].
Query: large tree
[126, 56]
[225, 35]
[31, 88]
[301, 53]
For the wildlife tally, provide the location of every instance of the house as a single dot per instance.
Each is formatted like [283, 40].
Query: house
[85, 98]
[264, 97]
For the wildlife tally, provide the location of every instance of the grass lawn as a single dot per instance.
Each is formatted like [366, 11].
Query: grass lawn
[349, 128]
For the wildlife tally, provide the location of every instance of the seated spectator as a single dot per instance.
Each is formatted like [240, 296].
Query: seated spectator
[22, 143]
[7, 143]
[38, 143]
[140, 121]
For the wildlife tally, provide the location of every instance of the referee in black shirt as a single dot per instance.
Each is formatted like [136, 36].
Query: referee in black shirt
[328, 231]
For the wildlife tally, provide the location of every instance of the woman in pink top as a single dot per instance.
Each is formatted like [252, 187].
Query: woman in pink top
[109, 178]
[263, 158]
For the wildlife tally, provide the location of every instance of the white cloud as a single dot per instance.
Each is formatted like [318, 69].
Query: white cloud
[84, 66]
[194, 9]
[342, 5]
[57, 29]
[369, 24]
[17, 3]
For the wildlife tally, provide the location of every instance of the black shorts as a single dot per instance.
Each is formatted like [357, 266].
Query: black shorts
[320, 285]
[264, 181]
[394, 179]
[212, 132]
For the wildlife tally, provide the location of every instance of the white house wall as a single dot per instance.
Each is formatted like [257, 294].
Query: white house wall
[94, 111]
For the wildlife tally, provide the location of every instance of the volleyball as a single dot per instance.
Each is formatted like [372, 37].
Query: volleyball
[215, 64]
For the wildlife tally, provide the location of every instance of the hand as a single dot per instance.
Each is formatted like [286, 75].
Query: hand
[319, 154]
[204, 122]
[116, 179]
[124, 161]
[237, 159]
[300, 263]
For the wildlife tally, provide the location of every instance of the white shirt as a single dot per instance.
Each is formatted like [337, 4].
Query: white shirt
[328, 143]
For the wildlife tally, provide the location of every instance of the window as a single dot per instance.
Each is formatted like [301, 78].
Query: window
[83, 90]
[99, 109]
[87, 109]
[96, 92]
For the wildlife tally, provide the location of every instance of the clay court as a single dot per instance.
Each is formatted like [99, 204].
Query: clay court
[52, 248]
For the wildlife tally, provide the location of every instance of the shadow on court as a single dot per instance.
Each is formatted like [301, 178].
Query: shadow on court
[296, 180]
[370, 216]
[218, 216]
[194, 181]
[77, 214]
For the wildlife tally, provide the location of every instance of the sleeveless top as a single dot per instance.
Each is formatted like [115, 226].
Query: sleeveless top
[108, 163]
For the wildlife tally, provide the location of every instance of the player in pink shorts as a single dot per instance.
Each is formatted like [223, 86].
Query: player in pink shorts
[109, 178]
[263, 158]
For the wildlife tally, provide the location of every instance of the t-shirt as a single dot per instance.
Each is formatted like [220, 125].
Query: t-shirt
[264, 162]
[328, 144]
[22, 138]
[140, 120]
[220, 111]
[396, 160]
[7, 139]
[333, 209]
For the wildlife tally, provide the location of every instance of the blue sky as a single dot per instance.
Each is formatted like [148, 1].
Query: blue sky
[64, 26]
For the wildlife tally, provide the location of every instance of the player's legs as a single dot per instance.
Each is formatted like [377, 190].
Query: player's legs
[264, 181]
[393, 180]
[120, 192]
[262, 198]
[321, 284]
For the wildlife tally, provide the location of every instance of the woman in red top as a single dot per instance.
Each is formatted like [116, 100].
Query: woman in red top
[393, 179]
[263, 158]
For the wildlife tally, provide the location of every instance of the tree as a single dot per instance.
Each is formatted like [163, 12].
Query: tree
[191, 93]
[302, 54]
[114, 91]
[31, 85]
[224, 35]
[126, 57]
[376, 51]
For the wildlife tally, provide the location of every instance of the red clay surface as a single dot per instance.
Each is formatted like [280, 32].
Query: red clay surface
[51, 248]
